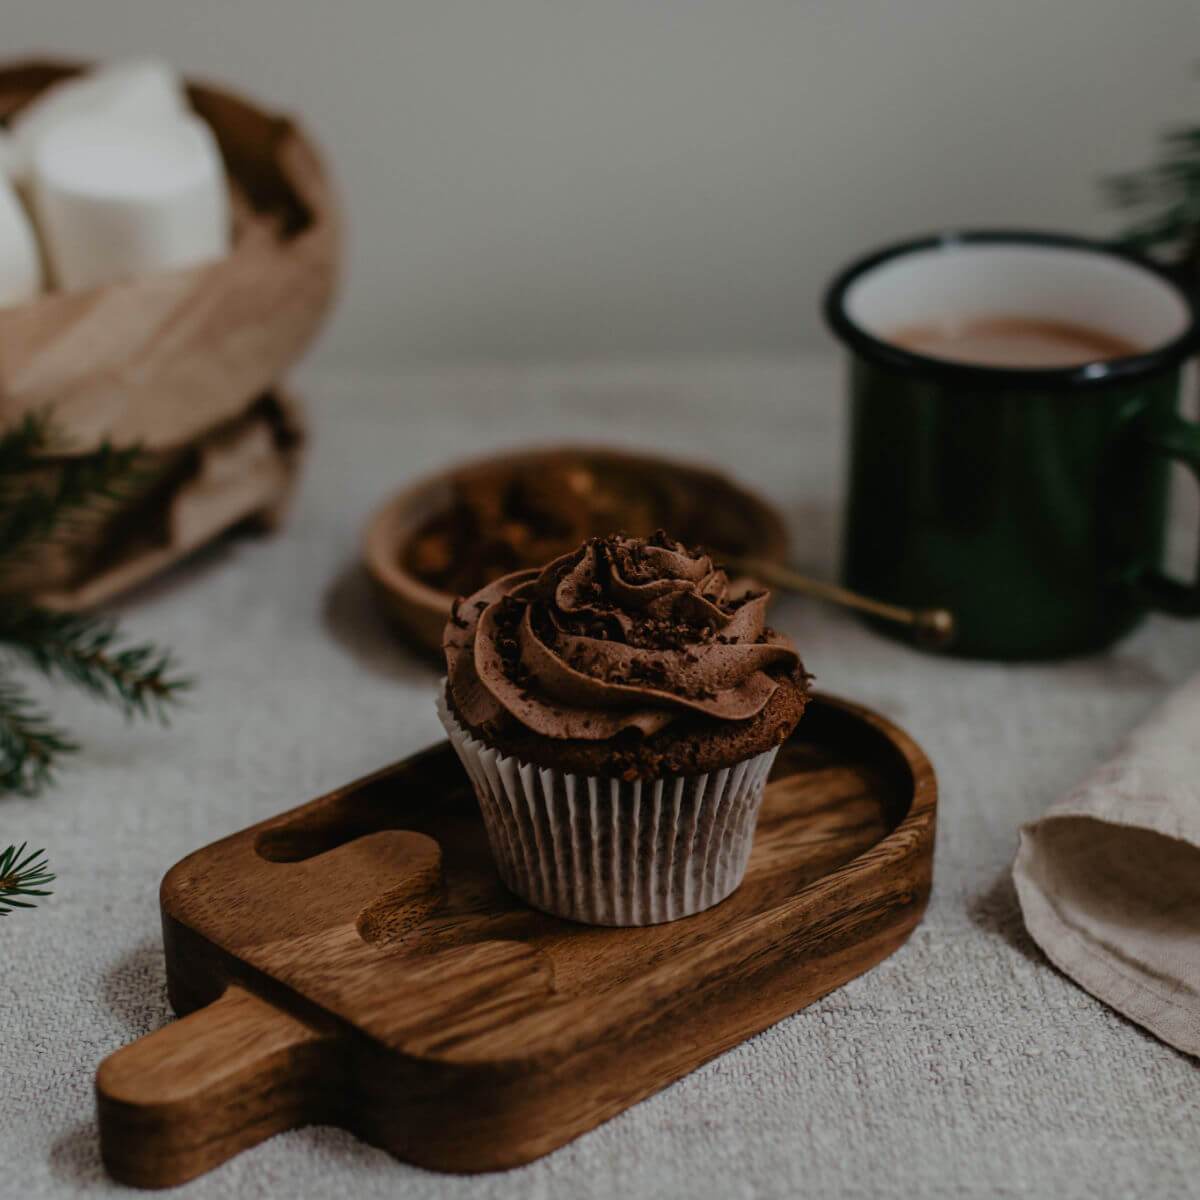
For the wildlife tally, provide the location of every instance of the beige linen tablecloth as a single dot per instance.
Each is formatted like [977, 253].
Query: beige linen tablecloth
[964, 1066]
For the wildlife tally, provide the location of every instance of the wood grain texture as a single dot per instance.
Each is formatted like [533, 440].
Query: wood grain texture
[223, 1079]
[428, 1010]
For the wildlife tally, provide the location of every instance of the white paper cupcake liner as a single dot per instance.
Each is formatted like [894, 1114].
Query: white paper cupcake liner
[611, 852]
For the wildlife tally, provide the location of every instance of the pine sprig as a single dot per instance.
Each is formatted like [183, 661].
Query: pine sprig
[22, 874]
[44, 495]
[33, 510]
[24, 441]
[1166, 197]
[41, 498]
[89, 652]
[30, 744]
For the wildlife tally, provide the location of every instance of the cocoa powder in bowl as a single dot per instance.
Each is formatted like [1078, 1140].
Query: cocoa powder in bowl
[457, 529]
[507, 518]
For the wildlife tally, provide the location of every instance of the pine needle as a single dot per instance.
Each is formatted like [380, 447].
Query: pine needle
[21, 443]
[22, 874]
[30, 745]
[89, 652]
[41, 499]
[1165, 199]
[44, 494]
[34, 511]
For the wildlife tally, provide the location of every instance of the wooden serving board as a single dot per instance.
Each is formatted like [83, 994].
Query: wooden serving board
[357, 962]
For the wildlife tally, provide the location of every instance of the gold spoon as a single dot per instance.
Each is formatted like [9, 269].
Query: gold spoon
[933, 627]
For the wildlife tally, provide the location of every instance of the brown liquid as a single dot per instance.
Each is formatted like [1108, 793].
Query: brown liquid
[1014, 342]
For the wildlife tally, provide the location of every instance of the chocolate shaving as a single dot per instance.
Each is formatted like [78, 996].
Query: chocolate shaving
[620, 636]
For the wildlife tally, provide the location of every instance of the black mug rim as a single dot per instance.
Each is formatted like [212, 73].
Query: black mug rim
[1087, 375]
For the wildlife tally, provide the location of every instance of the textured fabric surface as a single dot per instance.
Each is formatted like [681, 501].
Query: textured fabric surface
[965, 1065]
[1109, 878]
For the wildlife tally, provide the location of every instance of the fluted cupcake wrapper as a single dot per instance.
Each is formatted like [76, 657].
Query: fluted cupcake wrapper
[609, 851]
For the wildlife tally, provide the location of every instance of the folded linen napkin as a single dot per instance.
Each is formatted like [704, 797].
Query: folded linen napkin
[1109, 878]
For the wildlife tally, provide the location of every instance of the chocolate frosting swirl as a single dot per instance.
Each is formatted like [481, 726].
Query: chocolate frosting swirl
[622, 634]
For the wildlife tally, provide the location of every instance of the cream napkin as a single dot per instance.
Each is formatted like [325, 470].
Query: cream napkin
[1109, 878]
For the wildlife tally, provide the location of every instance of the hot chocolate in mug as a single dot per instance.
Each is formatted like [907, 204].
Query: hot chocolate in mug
[1014, 412]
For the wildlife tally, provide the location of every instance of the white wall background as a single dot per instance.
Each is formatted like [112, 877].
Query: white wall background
[571, 178]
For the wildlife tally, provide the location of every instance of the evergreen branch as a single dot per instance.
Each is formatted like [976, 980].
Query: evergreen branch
[44, 494]
[88, 652]
[21, 443]
[22, 874]
[33, 512]
[30, 746]
[1167, 193]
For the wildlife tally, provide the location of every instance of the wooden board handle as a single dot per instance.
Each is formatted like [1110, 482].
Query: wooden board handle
[184, 1099]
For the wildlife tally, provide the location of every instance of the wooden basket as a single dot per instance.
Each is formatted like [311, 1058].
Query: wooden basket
[238, 475]
[170, 361]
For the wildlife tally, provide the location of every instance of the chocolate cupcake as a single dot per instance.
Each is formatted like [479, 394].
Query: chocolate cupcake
[618, 712]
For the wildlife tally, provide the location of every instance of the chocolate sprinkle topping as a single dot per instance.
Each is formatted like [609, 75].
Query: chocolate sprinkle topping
[616, 639]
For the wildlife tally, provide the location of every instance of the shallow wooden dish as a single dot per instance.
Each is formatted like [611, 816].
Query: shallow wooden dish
[420, 611]
[357, 962]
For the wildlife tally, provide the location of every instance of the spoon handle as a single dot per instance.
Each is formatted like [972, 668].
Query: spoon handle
[933, 626]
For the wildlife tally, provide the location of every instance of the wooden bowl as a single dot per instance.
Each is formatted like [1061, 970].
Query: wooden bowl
[742, 522]
[164, 358]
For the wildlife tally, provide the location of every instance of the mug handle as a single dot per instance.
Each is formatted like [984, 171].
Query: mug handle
[1179, 441]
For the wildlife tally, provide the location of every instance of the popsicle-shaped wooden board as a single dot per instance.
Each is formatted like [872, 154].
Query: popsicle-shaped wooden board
[356, 961]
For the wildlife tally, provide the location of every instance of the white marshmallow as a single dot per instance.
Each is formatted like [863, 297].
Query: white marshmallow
[20, 262]
[114, 201]
[142, 92]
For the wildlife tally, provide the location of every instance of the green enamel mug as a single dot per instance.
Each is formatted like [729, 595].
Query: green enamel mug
[1029, 501]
